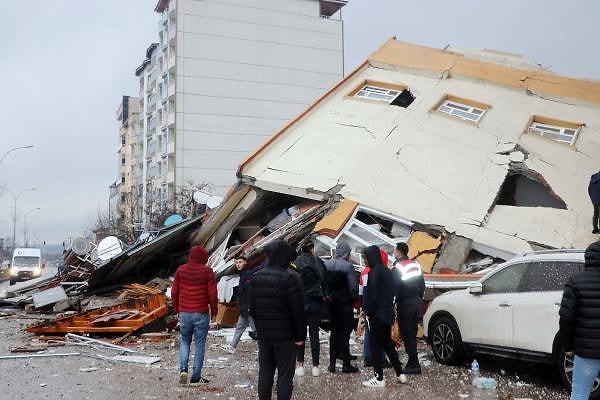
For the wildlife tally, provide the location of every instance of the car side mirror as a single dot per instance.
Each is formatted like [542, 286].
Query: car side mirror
[476, 289]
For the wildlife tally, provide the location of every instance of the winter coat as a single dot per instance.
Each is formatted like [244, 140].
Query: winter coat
[195, 288]
[378, 297]
[276, 297]
[408, 292]
[342, 282]
[580, 308]
[243, 289]
[594, 188]
[312, 273]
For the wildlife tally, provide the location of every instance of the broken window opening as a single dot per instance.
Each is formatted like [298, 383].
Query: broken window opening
[404, 99]
[391, 93]
[522, 191]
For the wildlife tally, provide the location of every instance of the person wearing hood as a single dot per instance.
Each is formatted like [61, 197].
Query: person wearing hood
[278, 311]
[342, 285]
[409, 290]
[312, 274]
[579, 324]
[378, 303]
[362, 287]
[594, 192]
[194, 295]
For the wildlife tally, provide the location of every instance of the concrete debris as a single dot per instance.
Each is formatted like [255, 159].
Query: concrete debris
[39, 355]
[146, 360]
[49, 296]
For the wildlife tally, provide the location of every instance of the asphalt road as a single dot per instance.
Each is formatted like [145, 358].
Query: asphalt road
[235, 376]
[46, 273]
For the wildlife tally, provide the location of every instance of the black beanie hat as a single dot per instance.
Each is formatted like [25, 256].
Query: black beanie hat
[592, 255]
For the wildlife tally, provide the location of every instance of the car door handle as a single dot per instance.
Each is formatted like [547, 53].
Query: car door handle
[504, 305]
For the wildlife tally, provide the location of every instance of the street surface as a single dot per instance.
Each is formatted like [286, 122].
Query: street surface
[61, 378]
[47, 272]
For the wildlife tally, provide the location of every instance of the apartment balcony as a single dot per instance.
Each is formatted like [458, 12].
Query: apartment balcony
[171, 177]
[171, 119]
[171, 90]
[172, 62]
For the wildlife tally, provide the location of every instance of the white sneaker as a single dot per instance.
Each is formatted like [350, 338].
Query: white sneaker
[227, 348]
[299, 371]
[402, 378]
[316, 371]
[374, 383]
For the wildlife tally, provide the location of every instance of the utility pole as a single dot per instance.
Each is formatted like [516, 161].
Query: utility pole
[13, 149]
[15, 198]
[25, 228]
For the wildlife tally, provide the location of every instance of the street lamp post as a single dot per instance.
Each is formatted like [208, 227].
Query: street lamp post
[16, 197]
[25, 228]
[13, 149]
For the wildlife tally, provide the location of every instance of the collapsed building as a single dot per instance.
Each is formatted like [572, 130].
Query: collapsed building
[468, 156]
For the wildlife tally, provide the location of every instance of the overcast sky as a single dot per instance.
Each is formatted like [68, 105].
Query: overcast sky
[64, 65]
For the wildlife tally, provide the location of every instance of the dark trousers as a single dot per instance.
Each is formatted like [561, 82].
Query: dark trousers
[381, 341]
[313, 320]
[280, 356]
[341, 320]
[408, 317]
[596, 216]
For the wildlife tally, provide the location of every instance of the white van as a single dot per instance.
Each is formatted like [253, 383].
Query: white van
[26, 264]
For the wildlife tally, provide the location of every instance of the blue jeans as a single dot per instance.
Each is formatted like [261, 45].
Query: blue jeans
[585, 371]
[195, 324]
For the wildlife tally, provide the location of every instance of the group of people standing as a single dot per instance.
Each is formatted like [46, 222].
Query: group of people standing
[287, 297]
[291, 292]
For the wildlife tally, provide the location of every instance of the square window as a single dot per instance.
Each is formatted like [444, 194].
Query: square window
[559, 131]
[391, 93]
[464, 109]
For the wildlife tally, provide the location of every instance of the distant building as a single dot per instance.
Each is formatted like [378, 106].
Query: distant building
[125, 191]
[224, 76]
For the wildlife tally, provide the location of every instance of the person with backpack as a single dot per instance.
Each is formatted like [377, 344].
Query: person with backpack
[594, 192]
[312, 275]
[409, 291]
[342, 286]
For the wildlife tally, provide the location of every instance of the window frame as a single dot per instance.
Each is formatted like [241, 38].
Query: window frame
[383, 86]
[530, 273]
[556, 124]
[461, 101]
[519, 288]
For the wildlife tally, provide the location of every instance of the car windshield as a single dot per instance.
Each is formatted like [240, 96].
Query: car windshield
[24, 261]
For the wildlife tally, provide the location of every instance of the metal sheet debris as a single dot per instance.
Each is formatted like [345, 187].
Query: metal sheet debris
[49, 296]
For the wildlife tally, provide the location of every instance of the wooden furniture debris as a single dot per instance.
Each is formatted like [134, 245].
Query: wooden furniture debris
[109, 320]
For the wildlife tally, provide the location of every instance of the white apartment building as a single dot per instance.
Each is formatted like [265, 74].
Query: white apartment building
[225, 75]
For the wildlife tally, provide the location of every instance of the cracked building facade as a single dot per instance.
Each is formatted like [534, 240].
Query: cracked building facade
[492, 150]
[223, 76]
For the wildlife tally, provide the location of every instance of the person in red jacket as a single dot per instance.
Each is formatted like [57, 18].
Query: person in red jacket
[194, 295]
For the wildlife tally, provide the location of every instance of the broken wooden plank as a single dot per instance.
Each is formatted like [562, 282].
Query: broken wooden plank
[39, 355]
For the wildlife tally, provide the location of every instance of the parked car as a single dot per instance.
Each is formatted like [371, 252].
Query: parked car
[511, 312]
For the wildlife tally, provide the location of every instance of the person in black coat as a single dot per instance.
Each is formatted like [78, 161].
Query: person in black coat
[278, 310]
[594, 192]
[409, 291]
[312, 273]
[580, 323]
[244, 320]
[378, 303]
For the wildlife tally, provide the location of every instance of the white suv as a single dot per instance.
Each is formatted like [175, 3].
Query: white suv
[511, 312]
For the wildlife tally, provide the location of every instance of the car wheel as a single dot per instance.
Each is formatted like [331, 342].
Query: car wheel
[565, 370]
[446, 341]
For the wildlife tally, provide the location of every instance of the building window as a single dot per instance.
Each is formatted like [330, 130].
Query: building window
[123, 179]
[393, 94]
[122, 161]
[559, 131]
[123, 140]
[467, 110]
